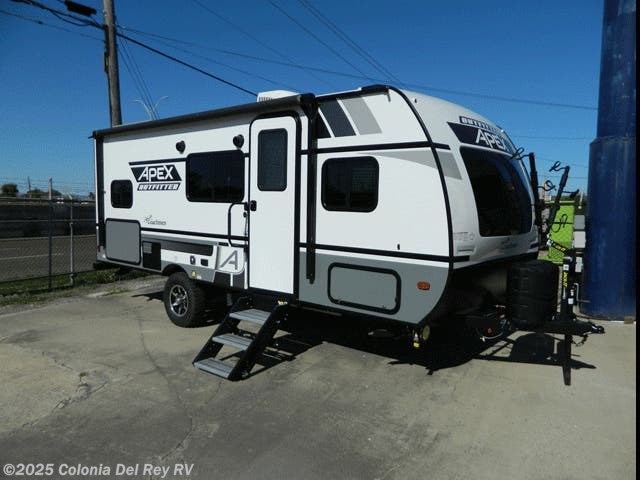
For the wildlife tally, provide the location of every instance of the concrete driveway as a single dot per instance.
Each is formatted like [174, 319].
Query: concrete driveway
[107, 382]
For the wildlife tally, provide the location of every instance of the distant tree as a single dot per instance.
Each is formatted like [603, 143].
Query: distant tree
[37, 193]
[92, 196]
[9, 190]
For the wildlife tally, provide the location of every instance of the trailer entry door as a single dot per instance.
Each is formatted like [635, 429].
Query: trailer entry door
[272, 204]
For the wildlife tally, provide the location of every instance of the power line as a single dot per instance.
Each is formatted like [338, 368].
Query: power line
[240, 29]
[322, 42]
[551, 160]
[549, 138]
[138, 70]
[226, 65]
[571, 177]
[426, 88]
[185, 64]
[49, 25]
[501, 98]
[349, 41]
[134, 77]
[303, 67]
[204, 57]
[263, 44]
[144, 90]
[95, 24]
[61, 15]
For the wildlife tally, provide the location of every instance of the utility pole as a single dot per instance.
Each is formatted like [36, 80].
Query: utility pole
[111, 62]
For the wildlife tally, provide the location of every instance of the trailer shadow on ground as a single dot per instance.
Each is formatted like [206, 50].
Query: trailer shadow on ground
[448, 346]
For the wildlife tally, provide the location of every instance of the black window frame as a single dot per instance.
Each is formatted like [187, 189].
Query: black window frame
[260, 179]
[331, 208]
[230, 153]
[113, 195]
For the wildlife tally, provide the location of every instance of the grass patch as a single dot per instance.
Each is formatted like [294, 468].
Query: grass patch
[37, 289]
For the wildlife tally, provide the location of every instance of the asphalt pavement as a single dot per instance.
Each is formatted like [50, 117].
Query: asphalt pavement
[105, 381]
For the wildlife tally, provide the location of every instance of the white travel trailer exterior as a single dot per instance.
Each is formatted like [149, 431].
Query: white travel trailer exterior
[376, 201]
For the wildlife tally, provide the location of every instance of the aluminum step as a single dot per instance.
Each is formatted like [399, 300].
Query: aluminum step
[235, 341]
[217, 367]
[252, 315]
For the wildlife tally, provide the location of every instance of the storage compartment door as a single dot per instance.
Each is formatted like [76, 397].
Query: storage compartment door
[123, 241]
[368, 288]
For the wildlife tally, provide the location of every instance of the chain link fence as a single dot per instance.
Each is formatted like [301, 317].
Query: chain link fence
[42, 238]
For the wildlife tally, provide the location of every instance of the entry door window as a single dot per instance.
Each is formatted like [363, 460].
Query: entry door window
[272, 160]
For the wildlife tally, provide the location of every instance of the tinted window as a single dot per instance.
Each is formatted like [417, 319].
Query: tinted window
[272, 160]
[502, 199]
[215, 177]
[350, 184]
[121, 194]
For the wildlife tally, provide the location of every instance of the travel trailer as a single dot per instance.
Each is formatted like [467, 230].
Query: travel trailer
[377, 202]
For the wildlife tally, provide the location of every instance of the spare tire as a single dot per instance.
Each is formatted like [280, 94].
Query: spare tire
[532, 293]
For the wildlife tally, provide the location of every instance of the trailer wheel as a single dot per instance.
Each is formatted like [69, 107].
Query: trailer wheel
[184, 301]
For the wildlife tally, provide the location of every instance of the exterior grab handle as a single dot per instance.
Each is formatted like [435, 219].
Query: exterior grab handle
[245, 204]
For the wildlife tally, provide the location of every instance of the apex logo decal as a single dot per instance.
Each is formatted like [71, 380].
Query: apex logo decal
[475, 132]
[157, 177]
[231, 260]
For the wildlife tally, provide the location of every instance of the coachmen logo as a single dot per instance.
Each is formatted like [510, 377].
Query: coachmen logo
[476, 132]
[157, 177]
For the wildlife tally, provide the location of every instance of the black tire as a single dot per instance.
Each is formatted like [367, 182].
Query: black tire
[184, 301]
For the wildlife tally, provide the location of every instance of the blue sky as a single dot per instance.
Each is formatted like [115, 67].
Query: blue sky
[53, 90]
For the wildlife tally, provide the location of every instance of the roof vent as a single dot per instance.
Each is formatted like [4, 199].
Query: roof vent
[273, 94]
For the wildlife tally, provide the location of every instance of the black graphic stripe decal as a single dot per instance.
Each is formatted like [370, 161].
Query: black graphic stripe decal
[442, 146]
[377, 146]
[337, 119]
[357, 148]
[388, 253]
[153, 162]
[185, 247]
[194, 234]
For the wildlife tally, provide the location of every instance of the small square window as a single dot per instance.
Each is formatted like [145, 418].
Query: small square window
[350, 184]
[121, 194]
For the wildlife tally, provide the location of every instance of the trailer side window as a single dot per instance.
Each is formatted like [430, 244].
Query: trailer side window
[502, 199]
[350, 184]
[215, 177]
[272, 160]
[121, 194]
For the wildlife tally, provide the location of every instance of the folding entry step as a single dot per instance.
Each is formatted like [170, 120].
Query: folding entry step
[250, 346]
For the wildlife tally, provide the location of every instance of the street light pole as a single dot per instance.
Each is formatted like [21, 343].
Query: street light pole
[152, 112]
[111, 63]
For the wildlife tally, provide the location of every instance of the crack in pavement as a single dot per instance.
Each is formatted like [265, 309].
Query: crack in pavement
[88, 383]
[178, 448]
